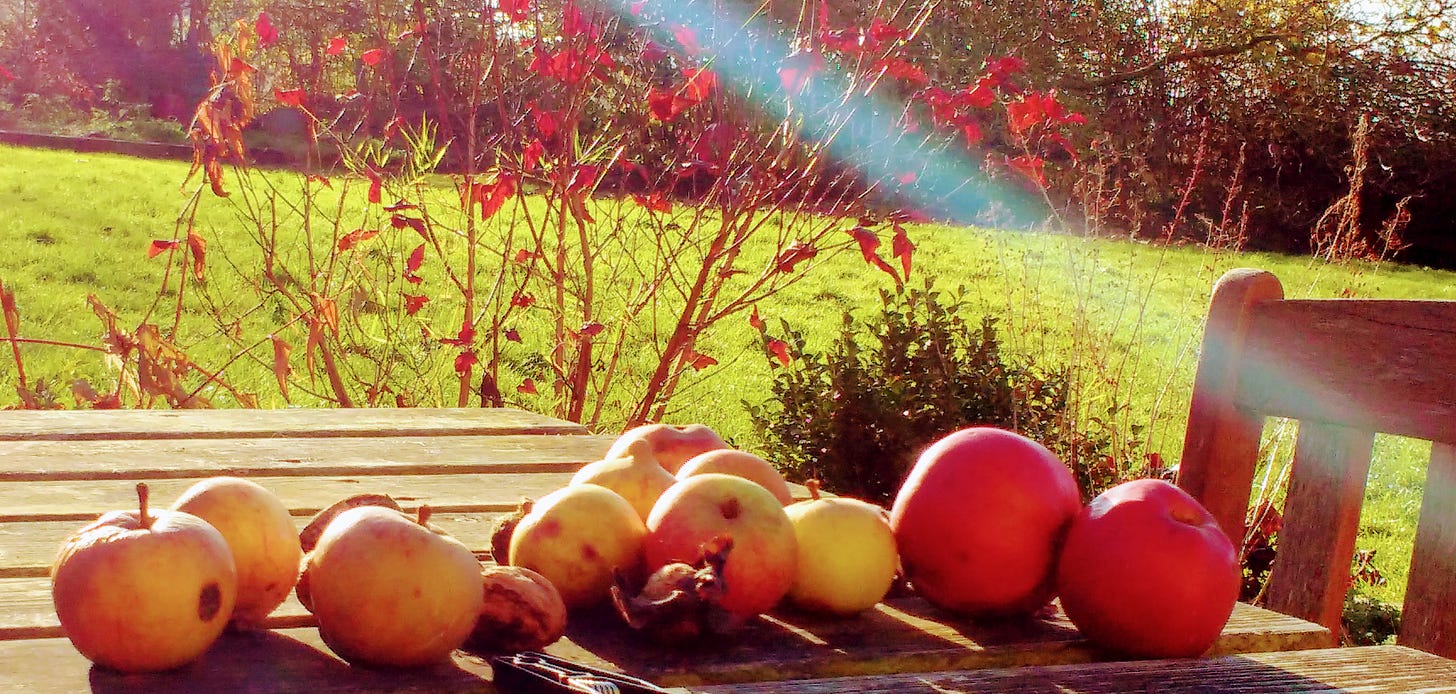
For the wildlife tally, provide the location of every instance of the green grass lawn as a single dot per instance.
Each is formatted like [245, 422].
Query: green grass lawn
[1126, 315]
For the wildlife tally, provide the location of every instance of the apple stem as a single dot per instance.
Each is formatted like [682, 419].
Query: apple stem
[423, 516]
[142, 495]
[813, 486]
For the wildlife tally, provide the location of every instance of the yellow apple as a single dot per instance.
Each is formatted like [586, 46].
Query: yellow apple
[575, 537]
[389, 591]
[847, 558]
[261, 535]
[636, 476]
[142, 591]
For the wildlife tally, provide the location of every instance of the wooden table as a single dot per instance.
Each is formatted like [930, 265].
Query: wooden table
[59, 470]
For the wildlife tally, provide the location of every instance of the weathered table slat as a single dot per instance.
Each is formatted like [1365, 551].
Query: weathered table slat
[24, 461]
[27, 549]
[78, 425]
[1372, 669]
[83, 500]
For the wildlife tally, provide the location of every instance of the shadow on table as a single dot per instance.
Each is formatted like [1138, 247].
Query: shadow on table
[897, 636]
[267, 661]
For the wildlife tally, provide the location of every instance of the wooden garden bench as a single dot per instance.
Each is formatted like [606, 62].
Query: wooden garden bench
[1346, 369]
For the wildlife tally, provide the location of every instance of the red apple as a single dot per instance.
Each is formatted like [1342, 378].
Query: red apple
[741, 464]
[671, 445]
[761, 565]
[1147, 572]
[979, 520]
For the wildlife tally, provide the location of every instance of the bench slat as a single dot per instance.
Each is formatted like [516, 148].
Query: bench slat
[1428, 621]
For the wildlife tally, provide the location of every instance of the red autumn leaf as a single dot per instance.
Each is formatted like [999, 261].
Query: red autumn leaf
[464, 338]
[527, 387]
[400, 206]
[982, 95]
[501, 191]
[336, 45]
[686, 37]
[755, 320]
[516, 10]
[796, 70]
[1004, 67]
[869, 244]
[1030, 167]
[583, 178]
[1025, 114]
[267, 33]
[400, 221]
[698, 361]
[372, 56]
[376, 184]
[903, 70]
[780, 349]
[414, 302]
[591, 329]
[354, 237]
[523, 300]
[700, 84]
[393, 126]
[900, 247]
[666, 105]
[240, 67]
[842, 40]
[198, 246]
[796, 252]
[6, 74]
[413, 263]
[654, 202]
[160, 246]
[513, 335]
[289, 97]
[972, 133]
[545, 121]
[531, 155]
[315, 178]
[466, 361]
[281, 368]
[880, 30]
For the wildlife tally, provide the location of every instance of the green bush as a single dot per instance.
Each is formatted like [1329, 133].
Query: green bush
[856, 416]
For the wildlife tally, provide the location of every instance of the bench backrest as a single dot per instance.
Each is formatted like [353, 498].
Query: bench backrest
[1346, 369]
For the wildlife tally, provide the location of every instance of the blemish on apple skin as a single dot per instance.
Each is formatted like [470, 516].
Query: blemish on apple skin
[589, 553]
[730, 509]
[209, 602]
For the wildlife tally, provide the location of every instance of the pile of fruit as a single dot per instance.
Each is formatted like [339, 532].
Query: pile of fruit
[683, 536]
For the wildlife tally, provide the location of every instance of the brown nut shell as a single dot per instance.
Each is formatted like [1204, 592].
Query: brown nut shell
[520, 611]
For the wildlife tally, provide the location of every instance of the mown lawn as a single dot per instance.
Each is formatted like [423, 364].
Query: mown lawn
[1126, 315]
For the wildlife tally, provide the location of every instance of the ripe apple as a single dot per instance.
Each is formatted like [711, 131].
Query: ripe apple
[575, 537]
[142, 591]
[1147, 572]
[742, 464]
[636, 476]
[760, 567]
[671, 445]
[389, 591]
[847, 558]
[260, 534]
[980, 519]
